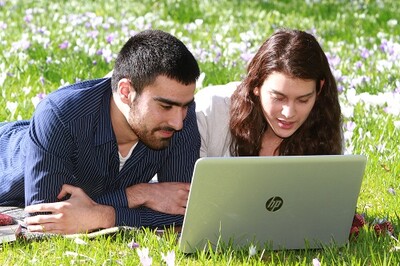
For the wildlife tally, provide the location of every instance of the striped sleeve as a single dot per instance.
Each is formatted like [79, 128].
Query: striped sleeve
[177, 166]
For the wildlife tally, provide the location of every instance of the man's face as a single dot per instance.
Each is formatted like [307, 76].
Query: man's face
[159, 111]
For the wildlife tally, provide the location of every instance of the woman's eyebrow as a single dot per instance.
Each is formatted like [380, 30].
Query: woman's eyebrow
[301, 96]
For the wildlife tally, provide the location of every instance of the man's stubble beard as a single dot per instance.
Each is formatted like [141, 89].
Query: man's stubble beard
[145, 135]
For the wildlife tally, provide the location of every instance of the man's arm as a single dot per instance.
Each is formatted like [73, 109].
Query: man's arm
[49, 152]
[162, 203]
[78, 214]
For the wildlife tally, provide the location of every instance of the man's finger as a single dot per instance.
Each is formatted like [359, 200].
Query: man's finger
[40, 219]
[65, 190]
[47, 227]
[42, 207]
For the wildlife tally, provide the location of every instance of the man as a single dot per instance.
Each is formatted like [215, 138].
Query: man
[88, 154]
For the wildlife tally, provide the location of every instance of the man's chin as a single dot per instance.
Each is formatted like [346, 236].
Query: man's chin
[159, 144]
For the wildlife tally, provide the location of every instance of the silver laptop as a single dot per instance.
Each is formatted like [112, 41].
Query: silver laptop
[279, 202]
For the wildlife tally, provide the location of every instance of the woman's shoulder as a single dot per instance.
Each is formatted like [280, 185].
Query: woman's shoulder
[215, 94]
[218, 90]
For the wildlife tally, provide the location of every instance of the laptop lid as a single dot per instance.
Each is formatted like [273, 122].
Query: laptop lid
[277, 202]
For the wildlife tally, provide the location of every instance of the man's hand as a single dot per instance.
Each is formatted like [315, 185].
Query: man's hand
[78, 214]
[166, 197]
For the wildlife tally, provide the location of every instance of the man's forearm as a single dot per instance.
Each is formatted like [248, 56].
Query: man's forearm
[136, 195]
[105, 216]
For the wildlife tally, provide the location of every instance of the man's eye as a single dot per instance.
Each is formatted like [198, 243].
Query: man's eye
[166, 107]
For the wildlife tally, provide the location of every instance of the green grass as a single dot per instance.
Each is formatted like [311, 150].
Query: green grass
[218, 33]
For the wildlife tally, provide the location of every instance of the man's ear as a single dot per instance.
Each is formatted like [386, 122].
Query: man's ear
[126, 91]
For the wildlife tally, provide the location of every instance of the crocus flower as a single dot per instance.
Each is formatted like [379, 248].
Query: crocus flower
[133, 244]
[12, 107]
[144, 257]
[169, 258]
[252, 250]
[64, 45]
[316, 262]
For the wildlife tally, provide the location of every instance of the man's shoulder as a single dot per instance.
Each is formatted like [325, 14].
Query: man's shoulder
[80, 91]
[77, 99]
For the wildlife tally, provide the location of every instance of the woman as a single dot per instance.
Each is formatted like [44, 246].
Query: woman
[286, 105]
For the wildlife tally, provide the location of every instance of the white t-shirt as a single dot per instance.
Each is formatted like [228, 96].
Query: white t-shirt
[122, 160]
[212, 111]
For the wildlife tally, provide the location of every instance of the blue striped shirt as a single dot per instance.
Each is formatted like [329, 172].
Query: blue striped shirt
[70, 140]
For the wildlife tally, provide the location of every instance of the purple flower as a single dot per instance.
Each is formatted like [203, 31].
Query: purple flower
[28, 18]
[22, 44]
[217, 57]
[133, 244]
[41, 95]
[333, 60]
[41, 30]
[383, 45]
[64, 45]
[358, 64]
[392, 191]
[246, 56]
[365, 53]
[42, 80]
[93, 34]
[3, 25]
[110, 38]
[350, 126]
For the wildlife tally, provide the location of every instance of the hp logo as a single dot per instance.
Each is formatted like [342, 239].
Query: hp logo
[274, 204]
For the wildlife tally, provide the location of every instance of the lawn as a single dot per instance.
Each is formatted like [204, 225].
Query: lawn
[48, 44]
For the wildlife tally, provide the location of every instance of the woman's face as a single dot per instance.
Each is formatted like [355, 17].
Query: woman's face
[286, 102]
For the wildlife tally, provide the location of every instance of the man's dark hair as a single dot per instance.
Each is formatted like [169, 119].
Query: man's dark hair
[151, 53]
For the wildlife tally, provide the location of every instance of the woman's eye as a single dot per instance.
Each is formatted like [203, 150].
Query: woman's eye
[278, 99]
[303, 100]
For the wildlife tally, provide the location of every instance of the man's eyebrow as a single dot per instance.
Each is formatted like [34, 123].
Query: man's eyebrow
[171, 102]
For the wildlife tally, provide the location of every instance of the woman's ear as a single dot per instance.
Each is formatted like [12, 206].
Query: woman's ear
[126, 91]
[256, 91]
[321, 84]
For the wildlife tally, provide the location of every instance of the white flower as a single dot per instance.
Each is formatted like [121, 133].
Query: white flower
[252, 250]
[169, 258]
[316, 262]
[12, 107]
[144, 258]
[392, 22]
[199, 82]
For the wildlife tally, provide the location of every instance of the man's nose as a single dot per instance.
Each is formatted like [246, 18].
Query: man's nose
[176, 119]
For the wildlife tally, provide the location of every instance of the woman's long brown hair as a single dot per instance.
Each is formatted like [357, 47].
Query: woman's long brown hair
[296, 54]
